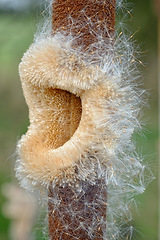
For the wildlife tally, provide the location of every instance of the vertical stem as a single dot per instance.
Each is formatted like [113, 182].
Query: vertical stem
[82, 19]
[71, 214]
[74, 215]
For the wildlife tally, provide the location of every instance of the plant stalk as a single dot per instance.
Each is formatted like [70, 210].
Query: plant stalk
[68, 214]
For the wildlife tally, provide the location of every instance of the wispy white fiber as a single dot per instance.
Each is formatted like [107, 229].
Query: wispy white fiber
[112, 71]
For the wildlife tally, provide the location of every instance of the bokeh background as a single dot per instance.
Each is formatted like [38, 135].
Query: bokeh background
[18, 19]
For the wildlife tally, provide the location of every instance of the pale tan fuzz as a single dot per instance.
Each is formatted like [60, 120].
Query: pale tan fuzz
[67, 103]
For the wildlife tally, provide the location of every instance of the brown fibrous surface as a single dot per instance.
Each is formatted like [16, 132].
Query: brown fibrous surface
[84, 19]
[73, 219]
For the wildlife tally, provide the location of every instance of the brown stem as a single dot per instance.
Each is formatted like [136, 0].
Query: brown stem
[84, 19]
[71, 212]
[73, 218]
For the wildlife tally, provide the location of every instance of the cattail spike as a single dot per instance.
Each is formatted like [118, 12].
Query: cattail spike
[78, 80]
[82, 20]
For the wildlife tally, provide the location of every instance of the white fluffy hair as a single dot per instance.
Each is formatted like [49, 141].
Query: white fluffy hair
[107, 84]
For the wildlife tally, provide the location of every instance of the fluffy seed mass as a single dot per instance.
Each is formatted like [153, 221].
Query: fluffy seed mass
[96, 151]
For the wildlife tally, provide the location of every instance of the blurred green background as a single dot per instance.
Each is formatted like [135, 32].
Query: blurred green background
[16, 34]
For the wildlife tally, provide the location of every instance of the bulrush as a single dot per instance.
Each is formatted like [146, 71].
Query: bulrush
[78, 80]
